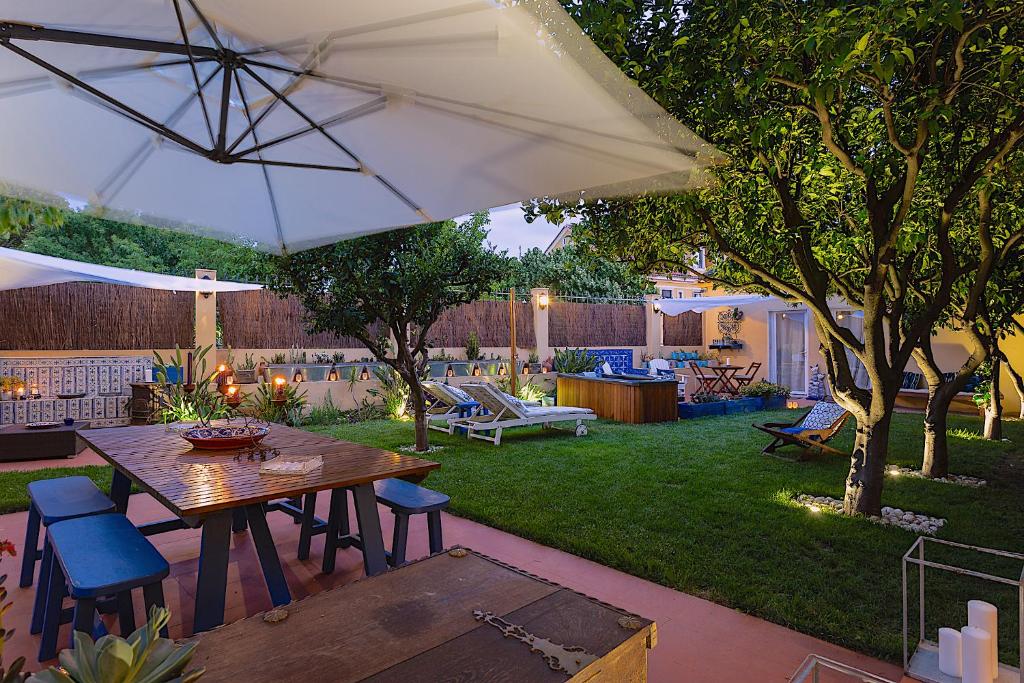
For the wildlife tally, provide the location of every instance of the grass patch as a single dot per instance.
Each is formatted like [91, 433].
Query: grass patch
[694, 506]
[14, 495]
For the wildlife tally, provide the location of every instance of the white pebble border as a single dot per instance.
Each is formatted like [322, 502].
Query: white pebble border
[411, 448]
[958, 479]
[910, 521]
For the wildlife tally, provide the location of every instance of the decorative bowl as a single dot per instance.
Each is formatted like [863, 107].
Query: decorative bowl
[80, 394]
[223, 438]
[42, 425]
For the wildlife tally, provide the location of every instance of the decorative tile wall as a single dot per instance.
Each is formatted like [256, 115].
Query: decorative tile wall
[621, 360]
[105, 381]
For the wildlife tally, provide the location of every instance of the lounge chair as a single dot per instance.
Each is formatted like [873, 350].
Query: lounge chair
[810, 432]
[507, 411]
[449, 403]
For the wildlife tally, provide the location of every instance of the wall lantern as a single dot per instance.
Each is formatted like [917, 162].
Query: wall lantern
[476, 371]
[657, 307]
[206, 295]
[501, 370]
[298, 376]
[526, 368]
[364, 374]
[543, 300]
[332, 376]
[450, 372]
[840, 316]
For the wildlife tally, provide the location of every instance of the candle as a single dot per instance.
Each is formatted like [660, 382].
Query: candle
[21, 392]
[950, 653]
[232, 390]
[977, 655]
[279, 387]
[985, 616]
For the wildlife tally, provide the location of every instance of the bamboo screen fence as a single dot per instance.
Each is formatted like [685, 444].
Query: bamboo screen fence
[261, 319]
[586, 324]
[685, 329]
[489, 319]
[80, 316]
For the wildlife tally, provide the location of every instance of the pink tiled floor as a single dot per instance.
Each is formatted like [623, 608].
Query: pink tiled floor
[698, 641]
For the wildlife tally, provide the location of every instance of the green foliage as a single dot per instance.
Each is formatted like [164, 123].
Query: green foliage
[574, 271]
[574, 361]
[248, 363]
[289, 412]
[707, 397]
[525, 390]
[275, 359]
[393, 392]
[189, 403]
[398, 282]
[82, 236]
[325, 414]
[533, 358]
[473, 346]
[764, 389]
[17, 216]
[143, 657]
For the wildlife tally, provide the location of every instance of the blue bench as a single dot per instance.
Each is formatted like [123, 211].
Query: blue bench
[52, 501]
[99, 557]
[406, 499]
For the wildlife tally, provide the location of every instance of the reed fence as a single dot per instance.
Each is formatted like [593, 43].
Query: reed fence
[77, 316]
[490, 321]
[685, 329]
[585, 324]
[260, 319]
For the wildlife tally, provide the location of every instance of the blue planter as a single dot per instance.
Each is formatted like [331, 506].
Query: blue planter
[689, 410]
[743, 405]
[774, 402]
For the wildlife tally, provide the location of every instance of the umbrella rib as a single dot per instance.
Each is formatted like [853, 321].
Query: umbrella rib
[192, 66]
[402, 196]
[206, 24]
[364, 109]
[137, 116]
[104, 72]
[136, 159]
[266, 171]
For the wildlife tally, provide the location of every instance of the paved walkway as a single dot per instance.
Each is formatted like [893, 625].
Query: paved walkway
[698, 641]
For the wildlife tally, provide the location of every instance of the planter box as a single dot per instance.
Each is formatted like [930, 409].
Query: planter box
[743, 405]
[774, 402]
[690, 410]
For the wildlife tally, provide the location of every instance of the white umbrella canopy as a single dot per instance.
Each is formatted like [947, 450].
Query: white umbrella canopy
[21, 269]
[299, 124]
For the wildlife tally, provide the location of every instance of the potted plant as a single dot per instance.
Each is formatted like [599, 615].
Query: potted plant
[773, 396]
[245, 373]
[534, 362]
[702, 404]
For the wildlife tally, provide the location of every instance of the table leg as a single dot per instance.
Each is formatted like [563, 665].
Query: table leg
[238, 520]
[271, 563]
[120, 488]
[374, 558]
[212, 583]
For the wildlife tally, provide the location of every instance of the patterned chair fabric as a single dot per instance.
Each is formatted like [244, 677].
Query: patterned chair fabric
[105, 381]
[822, 416]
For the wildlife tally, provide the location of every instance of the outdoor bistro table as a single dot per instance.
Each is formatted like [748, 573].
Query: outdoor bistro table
[455, 616]
[726, 381]
[216, 488]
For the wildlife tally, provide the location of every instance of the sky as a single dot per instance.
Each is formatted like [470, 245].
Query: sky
[509, 230]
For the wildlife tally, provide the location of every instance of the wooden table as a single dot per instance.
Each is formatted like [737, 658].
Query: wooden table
[417, 623]
[726, 381]
[18, 442]
[624, 400]
[222, 489]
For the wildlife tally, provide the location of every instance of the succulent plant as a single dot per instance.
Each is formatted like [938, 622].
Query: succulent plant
[144, 657]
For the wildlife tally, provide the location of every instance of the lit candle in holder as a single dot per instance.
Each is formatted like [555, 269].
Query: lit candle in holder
[298, 376]
[233, 397]
[35, 390]
[526, 369]
[279, 385]
[364, 374]
[450, 372]
[332, 376]
[792, 405]
[20, 392]
[501, 370]
[477, 371]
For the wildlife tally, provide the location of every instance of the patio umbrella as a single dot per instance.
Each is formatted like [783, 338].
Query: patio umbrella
[298, 124]
[20, 269]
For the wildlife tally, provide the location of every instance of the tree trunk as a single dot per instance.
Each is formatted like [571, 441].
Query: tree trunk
[936, 443]
[994, 409]
[867, 464]
[1018, 384]
[419, 409]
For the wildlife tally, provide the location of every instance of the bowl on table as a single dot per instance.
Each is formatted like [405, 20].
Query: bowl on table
[223, 438]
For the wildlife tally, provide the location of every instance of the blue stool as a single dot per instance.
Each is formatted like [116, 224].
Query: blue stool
[406, 499]
[97, 557]
[52, 501]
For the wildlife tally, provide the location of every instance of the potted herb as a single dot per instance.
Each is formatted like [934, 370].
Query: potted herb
[534, 362]
[9, 385]
[245, 373]
[773, 396]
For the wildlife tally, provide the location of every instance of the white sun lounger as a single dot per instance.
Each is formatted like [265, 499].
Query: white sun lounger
[445, 407]
[507, 411]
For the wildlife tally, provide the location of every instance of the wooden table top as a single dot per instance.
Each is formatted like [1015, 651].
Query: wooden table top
[416, 623]
[193, 483]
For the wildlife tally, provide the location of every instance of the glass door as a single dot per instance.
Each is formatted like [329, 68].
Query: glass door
[788, 350]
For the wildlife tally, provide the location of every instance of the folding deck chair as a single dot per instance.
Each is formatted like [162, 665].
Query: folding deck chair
[810, 432]
[507, 411]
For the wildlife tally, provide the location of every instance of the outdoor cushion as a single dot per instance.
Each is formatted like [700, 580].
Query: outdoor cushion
[460, 394]
[822, 416]
[538, 411]
[911, 380]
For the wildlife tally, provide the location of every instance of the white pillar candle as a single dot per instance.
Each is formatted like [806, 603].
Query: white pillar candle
[950, 654]
[977, 655]
[985, 616]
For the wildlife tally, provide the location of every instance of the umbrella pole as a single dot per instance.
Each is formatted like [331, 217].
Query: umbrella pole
[513, 375]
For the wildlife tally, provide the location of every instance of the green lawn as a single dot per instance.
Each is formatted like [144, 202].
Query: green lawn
[693, 505]
[14, 496]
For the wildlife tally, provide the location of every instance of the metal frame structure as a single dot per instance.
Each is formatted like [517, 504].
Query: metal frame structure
[811, 668]
[923, 664]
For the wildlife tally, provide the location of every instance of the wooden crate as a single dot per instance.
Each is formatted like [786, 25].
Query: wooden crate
[417, 623]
